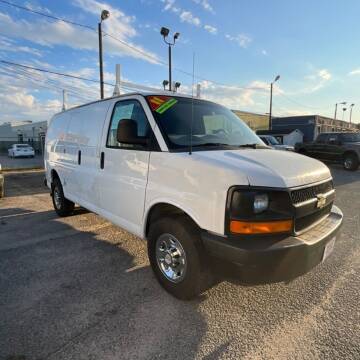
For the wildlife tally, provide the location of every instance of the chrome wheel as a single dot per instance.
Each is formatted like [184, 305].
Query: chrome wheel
[171, 258]
[348, 163]
[57, 197]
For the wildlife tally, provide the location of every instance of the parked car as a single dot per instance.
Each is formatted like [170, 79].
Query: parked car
[18, 150]
[193, 180]
[340, 147]
[274, 143]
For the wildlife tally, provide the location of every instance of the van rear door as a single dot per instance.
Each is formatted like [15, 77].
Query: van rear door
[124, 168]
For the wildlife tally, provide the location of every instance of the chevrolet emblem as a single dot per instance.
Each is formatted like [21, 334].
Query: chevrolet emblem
[321, 201]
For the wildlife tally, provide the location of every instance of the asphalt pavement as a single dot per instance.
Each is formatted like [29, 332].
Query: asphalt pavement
[81, 288]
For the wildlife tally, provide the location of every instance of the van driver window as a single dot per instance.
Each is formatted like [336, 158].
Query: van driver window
[128, 109]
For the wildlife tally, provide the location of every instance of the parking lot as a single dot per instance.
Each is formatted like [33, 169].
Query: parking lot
[81, 288]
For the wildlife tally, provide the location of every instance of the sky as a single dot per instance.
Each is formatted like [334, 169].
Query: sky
[239, 47]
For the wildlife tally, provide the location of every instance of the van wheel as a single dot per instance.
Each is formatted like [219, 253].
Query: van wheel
[175, 256]
[351, 162]
[62, 206]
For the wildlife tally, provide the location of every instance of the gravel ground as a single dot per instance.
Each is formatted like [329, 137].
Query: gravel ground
[81, 288]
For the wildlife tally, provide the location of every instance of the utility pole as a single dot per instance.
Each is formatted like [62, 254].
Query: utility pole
[104, 15]
[336, 105]
[351, 109]
[64, 100]
[271, 95]
[118, 80]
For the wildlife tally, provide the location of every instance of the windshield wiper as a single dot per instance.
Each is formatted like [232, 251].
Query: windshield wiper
[210, 144]
[252, 146]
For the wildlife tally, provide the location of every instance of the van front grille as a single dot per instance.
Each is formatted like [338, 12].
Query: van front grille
[311, 192]
[306, 221]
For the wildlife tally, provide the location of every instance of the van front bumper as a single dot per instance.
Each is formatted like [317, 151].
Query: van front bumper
[266, 260]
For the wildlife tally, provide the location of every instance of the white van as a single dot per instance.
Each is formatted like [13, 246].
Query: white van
[193, 180]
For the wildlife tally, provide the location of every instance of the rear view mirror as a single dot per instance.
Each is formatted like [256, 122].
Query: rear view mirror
[127, 133]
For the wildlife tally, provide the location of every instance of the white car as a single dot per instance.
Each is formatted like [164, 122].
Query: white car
[18, 150]
[189, 177]
[274, 143]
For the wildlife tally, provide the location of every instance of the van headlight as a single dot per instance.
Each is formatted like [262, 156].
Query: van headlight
[256, 210]
[261, 203]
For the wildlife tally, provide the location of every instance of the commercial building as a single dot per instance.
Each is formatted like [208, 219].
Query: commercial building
[253, 120]
[23, 132]
[312, 125]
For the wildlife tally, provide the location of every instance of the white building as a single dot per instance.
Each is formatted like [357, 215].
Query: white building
[22, 132]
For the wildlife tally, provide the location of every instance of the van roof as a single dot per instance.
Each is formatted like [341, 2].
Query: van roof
[141, 93]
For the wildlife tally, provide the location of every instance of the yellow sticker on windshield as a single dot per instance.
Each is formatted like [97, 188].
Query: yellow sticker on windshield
[161, 103]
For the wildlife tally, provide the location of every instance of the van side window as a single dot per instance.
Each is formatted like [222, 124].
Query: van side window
[127, 109]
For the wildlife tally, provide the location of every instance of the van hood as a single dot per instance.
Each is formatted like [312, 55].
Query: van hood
[269, 167]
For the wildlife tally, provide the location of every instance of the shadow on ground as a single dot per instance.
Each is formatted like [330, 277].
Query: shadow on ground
[71, 294]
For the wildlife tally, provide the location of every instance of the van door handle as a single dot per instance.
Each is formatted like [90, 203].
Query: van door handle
[79, 157]
[102, 160]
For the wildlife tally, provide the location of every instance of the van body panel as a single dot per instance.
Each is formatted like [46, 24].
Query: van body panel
[187, 182]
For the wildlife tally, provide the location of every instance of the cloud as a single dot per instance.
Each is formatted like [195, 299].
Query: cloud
[11, 45]
[324, 74]
[318, 80]
[242, 40]
[211, 29]
[187, 16]
[264, 52]
[205, 4]
[250, 97]
[57, 33]
[354, 72]
[184, 15]
[170, 6]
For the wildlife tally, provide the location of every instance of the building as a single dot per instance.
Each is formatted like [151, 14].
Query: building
[312, 125]
[284, 136]
[23, 132]
[253, 120]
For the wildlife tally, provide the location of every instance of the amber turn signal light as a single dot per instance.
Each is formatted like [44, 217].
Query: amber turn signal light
[269, 227]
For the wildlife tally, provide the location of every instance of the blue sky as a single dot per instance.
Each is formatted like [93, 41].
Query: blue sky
[239, 46]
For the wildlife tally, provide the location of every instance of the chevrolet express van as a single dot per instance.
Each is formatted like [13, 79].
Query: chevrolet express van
[193, 180]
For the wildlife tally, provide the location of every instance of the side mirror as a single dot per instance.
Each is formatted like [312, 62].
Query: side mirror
[127, 133]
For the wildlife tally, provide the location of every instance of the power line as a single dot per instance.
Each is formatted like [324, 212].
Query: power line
[25, 8]
[299, 103]
[155, 59]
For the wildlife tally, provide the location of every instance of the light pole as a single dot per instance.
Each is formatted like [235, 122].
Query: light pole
[344, 109]
[342, 103]
[104, 15]
[271, 95]
[351, 108]
[165, 32]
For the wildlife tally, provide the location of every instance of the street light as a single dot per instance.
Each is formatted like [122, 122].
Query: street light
[342, 103]
[165, 83]
[351, 109]
[344, 109]
[165, 33]
[104, 15]
[271, 95]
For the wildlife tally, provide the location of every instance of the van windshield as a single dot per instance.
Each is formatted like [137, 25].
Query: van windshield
[205, 123]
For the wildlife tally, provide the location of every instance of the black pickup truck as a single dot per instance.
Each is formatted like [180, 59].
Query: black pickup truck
[339, 147]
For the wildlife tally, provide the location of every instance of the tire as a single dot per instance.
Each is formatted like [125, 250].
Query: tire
[62, 206]
[303, 152]
[189, 256]
[351, 162]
